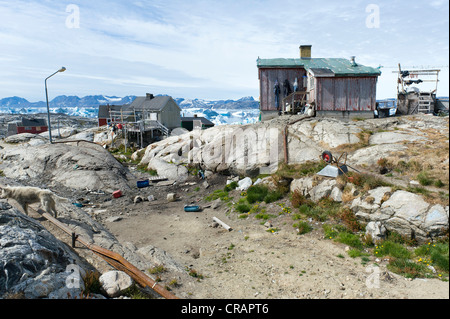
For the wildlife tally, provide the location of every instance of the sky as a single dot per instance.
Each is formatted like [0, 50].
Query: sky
[207, 49]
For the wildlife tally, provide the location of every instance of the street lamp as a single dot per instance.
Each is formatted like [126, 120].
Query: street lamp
[48, 109]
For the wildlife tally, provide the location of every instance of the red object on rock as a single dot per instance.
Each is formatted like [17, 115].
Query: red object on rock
[117, 194]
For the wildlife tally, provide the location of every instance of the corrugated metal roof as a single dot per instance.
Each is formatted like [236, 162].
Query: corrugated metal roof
[339, 66]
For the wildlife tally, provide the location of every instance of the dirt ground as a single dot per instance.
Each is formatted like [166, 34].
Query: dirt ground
[250, 261]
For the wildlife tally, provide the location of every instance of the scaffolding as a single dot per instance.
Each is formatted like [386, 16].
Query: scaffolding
[136, 123]
[410, 98]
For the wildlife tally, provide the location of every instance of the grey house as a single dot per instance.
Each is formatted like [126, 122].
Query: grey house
[158, 108]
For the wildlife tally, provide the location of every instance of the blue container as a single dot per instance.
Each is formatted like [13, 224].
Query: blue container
[192, 208]
[141, 184]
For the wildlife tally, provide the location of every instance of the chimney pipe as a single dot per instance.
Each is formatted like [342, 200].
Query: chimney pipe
[149, 96]
[352, 60]
[305, 51]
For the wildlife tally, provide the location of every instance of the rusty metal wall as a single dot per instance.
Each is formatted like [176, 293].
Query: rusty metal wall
[267, 77]
[346, 93]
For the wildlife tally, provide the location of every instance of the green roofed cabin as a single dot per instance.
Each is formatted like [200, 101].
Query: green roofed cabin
[333, 86]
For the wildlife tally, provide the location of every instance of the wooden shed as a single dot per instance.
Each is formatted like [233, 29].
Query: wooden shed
[333, 86]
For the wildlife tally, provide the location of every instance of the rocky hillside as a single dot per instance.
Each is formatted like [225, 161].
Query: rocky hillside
[397, 181]
[411, 153]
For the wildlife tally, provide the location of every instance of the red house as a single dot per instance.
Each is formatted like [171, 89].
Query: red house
[34, 126]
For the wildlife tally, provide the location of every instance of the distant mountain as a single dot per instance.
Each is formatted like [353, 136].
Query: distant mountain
[242, 103]
[93, 101]
[14, 102]
[244, 110]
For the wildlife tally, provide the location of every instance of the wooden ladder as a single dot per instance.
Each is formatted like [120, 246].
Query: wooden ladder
[425, 102]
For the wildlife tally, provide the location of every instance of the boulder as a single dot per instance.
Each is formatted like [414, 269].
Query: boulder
[115, 282]
[376, 230]
[362, 204]
[436, 220]
[171, 171]
[78, 165]
[65, 132]
[336, 194]
[403, 212]
[234, 149]
[316, 189]
[244, 184]
[32, 260]
[84, 135]
[323, 189]
[302, 185]
[371, 154]
[22, 138]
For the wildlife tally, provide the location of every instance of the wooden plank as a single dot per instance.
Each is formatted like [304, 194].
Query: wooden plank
[340, 93]
[327, 94]
[353, 95]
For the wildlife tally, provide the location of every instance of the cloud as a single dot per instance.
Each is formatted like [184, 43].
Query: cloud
[206, 48]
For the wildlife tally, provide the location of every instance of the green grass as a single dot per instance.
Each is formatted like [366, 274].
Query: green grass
[393, 249]
[424, 179]
[256, 193]
[349, 239]
[353, 253]
[322, 211]
[261, 193]
[366, 181]
[243, 208]
[437, 253]
[303, 227]
[231, 186]
[264, 216]
[299, 170]
[223, 195]
[273, 196]
[407, 268]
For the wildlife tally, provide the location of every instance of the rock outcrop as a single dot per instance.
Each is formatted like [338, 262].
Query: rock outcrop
[32, 261]
[77, 165]
[403, 212]
[235, 149]
[35, 264]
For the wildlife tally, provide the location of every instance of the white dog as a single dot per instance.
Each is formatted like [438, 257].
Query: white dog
[25, 195]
